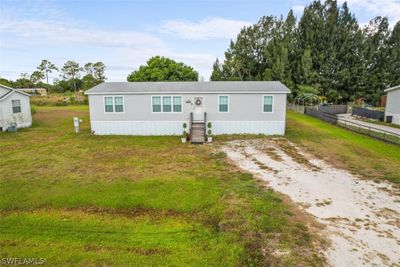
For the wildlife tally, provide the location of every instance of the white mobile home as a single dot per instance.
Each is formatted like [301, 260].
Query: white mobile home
[15, 108]
[161, 108]
[393, 104]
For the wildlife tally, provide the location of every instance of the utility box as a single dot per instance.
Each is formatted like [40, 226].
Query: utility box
[12, 127]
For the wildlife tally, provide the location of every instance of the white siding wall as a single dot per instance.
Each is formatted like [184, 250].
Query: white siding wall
[23, 119]
[396, 117]
[245, 115]
[393, 105]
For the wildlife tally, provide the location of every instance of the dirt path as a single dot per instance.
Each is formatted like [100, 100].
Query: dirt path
[362, 218]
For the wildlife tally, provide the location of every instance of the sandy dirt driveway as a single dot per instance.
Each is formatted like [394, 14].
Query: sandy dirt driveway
[362, 218]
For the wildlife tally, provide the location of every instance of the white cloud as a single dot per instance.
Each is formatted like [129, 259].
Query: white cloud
[298, 9]
[206, 29]
[363, 8]
[389, 8]
[121, 51]
[33, 9]
[65, 33]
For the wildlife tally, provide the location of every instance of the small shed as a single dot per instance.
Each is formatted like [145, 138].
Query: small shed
[392, 111]
[15, 108]
[33, 91]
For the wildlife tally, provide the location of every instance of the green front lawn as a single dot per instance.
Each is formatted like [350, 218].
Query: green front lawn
[79, 199]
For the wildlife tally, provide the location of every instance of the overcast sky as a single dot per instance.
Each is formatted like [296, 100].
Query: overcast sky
[124, 34]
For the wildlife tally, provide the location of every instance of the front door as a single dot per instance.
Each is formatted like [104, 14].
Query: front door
[198, 109]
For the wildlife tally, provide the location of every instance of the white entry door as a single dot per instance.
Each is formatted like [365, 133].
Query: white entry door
[198, 108]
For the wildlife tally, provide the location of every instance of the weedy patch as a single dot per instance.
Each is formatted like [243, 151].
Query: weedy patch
[261, 165]
[272, 153]
[293, 152]
[325, 202]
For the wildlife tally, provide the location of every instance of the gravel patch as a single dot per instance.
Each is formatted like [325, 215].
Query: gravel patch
[362, 217]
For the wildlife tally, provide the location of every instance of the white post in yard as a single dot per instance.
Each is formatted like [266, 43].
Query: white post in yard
[76, 124]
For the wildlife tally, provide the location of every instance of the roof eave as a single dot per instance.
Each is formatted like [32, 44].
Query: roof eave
[6, 95]
[186, 92]
[22, 93]
[392, 88]
[11, 92]
[99, 89]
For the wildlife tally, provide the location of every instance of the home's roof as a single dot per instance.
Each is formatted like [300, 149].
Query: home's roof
[393, 88]
[189, 87]
[9, 91]
[30, 89]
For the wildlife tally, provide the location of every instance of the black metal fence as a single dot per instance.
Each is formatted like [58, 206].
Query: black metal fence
[371, 131]
[368, 113]
[334, 109]
[296, 107]
[329, 114]
[320, 114]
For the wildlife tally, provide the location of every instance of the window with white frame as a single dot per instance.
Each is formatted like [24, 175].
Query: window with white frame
[113, 104]
[167, 104]
[118, 104]
[177, 102]
[16, 106]
[223, 103]
[268, 103]
[156, 102]
[109, 105]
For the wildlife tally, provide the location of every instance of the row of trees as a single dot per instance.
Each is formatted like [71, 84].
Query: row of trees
[157, 68]
[326, 52]
[70, 76]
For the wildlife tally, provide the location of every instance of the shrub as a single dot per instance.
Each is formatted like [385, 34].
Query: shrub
[33, 109]
[59, 100]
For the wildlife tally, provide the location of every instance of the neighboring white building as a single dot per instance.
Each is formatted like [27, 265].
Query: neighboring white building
[393, 104]
[160, 108]
[33, 91]
[14, 108]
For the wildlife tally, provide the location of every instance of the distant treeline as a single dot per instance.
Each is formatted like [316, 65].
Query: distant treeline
[326, 52]
[73, 77]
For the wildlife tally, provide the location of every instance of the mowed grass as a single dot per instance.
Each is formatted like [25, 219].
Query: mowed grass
[361, 154]
[81, 199]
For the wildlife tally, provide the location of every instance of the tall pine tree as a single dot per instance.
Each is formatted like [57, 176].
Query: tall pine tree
[393, 56]
[326, 50]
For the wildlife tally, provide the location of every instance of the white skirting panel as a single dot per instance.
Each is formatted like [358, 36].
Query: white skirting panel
[137, 127]
[175, 127]
[396, 117]
[248, 127]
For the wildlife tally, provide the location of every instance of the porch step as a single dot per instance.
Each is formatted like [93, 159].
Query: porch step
[197, 133]
[198, 125]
